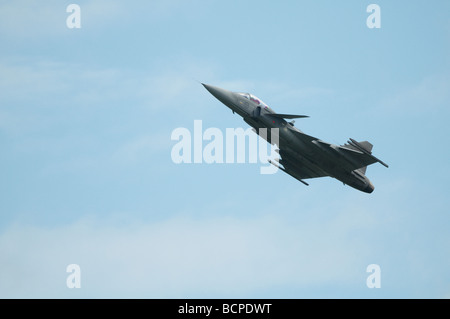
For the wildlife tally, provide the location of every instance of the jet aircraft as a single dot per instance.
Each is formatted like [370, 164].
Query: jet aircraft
[302, 156]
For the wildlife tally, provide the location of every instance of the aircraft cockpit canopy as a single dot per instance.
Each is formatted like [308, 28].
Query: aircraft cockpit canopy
[253, 98]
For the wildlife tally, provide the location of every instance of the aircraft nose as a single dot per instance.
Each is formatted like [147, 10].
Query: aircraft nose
[222, 95]
[211, 89]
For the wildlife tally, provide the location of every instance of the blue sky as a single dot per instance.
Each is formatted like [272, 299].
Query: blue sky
[86, 117]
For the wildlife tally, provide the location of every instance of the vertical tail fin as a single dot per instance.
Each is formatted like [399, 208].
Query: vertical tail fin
[366, 146]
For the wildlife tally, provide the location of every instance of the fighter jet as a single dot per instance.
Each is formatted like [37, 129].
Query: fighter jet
[302, 156]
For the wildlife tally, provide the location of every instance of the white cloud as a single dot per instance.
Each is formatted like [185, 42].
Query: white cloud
[141, 147]
[427, 97]
[29, 89]
[30, 19]
[178, 257]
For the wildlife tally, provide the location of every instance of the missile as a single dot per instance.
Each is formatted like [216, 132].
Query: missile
[288, 172]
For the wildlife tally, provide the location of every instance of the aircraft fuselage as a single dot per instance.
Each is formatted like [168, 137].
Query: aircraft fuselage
[308, 156]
